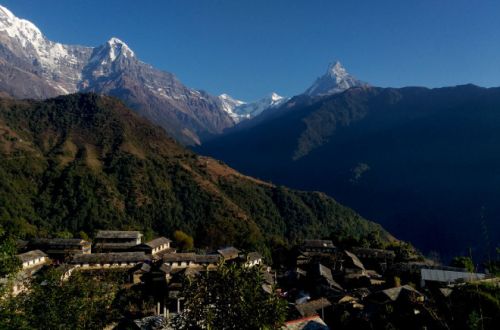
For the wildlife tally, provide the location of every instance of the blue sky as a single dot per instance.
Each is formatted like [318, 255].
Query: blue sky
[249, 48]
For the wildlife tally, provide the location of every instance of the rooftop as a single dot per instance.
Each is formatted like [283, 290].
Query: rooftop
[306, 323]
[31, 255]
[229, 252]
[58, 241]
[118, 234]
[312, 307]
[318, 243]
[114, 257]
[157, 242]
[448, 276]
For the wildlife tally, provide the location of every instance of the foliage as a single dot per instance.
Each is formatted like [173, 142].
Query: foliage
[9, 263]
[463, 262]
[79, 302]
[183, 240]
[82, 162]
[230, 297]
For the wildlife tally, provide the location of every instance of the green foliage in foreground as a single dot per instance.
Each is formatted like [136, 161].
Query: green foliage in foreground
[231, 297]
[80, 163]
[80, 302]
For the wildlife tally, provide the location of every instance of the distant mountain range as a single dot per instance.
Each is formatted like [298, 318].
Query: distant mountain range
[425, 163]
[31, 66]
[86, 162]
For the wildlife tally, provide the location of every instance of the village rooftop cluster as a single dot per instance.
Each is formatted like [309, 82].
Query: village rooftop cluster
[324, 281]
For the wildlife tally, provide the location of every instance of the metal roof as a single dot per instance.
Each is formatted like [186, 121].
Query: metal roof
[448, 276]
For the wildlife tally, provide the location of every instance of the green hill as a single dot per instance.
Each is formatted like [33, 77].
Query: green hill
[84, 162]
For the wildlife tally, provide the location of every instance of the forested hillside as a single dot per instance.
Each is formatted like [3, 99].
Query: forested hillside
[84, 162]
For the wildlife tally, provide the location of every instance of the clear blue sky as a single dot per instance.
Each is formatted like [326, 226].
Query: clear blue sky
[249, 48]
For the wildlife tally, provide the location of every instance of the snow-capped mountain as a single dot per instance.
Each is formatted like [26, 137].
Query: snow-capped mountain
[240, 110]
[31, 66]
[335, 80]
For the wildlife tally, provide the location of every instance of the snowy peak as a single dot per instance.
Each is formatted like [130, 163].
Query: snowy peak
[336, 70]
[240, 110]
[335, 80]
[117, 48]
[22, 30]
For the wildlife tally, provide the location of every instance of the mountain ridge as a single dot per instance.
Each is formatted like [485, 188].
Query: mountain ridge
[85, 162]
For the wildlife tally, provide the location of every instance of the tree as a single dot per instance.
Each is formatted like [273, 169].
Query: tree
[84, 301]
[231, 297]
[183, 240]
[463, 262]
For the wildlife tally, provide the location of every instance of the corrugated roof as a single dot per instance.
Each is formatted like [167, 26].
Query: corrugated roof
[448, 276]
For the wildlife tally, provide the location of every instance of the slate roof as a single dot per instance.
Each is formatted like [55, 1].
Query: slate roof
[113, 257]
[157, 242]
[312, 307]
[58, 242]
[355, 260]
[191, 257]
[114, 246]
[374, 253]
[229, 253]
[306, 323]
[118, 234]
[392, 294]
[253, 256]
[326, 273]
[31, 255]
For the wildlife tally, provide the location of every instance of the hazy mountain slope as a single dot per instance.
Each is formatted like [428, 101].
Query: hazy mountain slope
[83, 162]
[422, 162]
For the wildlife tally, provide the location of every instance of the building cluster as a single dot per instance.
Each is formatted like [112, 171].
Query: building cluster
[328, 283]
[155, 261]
[325, 284]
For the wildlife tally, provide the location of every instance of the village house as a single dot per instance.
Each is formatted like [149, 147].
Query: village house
[185, 260]
[253, 259]
[375, 258]
[107, 260]
[229, 253]
[137, 272]
[306, 323]
[352, 264]
[59, 248]
[157, 246]
[318, 245]
[447, 276]
[33, 258]
[313, 307]
[116, 240]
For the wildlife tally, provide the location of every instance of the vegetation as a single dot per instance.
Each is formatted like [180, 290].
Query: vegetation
[230, 298]
[183, 241]
[72, 165]
[84, 301]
